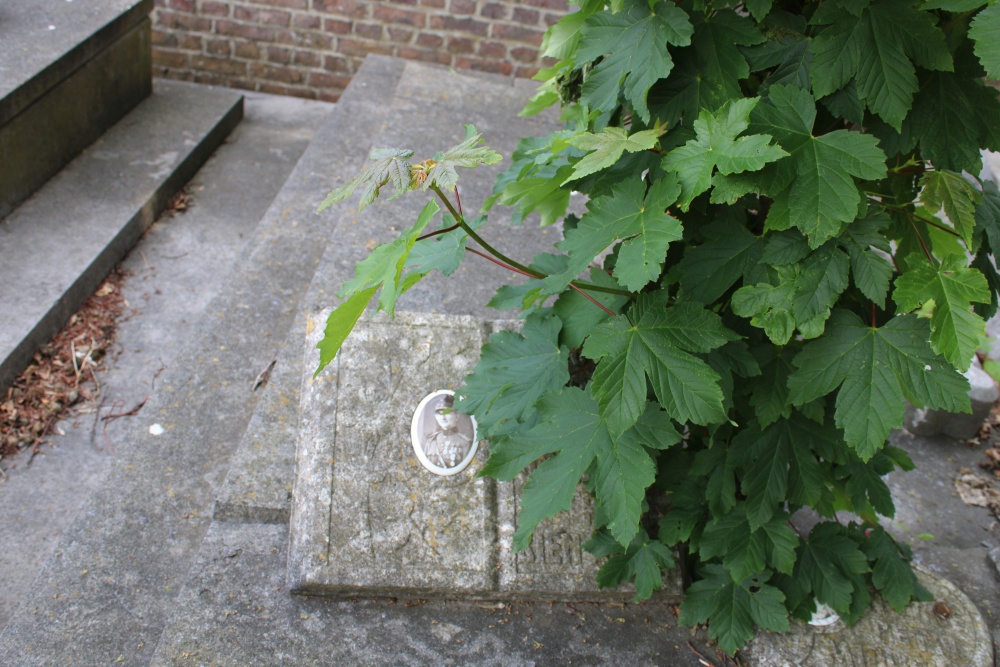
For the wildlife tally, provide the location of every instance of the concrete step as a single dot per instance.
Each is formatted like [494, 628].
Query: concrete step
[113, 579]
[58, 245]
[68, 72]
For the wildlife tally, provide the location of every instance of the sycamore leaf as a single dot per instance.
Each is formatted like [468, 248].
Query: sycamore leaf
[746, 551]
[988, 216]
[606, 147]
[385, 265]
[770, 395]
[716, 147]
[759, 8]
[958, 197]
[561, 39]
[629, 212]
[579, 315]
[647, 565]
[513, 371]
[953, 116]
[468, 154]
[871, 270]
[876, 369]
[340, 323]
[387, 164]
[732, 609]
[730, 252]
[634, 47]
[985, 32]
[540, 192]
[891, 573]
[643, 561]
[654, 342]
[443, 252]
[833, 564]
[955, 329]
[877, 48]
[707, 75]
[623, 472]
[815, 185]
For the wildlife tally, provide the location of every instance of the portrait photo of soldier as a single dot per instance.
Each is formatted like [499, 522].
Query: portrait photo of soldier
[443, 437]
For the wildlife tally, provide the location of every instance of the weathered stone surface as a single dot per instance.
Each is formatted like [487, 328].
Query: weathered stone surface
[367, 519]
[948, 631]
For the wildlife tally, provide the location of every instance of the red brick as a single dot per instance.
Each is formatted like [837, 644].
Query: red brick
[410, 53]
[164, 38]
[275, 73]
[430, 40]
[353, 47]
[484, 65]
[400, 35]
[525, 72]
[218, 65]
[438, 4]
[524, 54]
[278, 54]
[528, 16]
[246, 14]
[164, 58]
[247, 50]
[307, 58]
[368, 30]
[552, 19]
[189, 41]
[182, 5]
[290, 4]
[210, 8]
[494, 10]
[492, 50]
[242, 84]
[303, 39]
[337, 27]
[516, 33]
[400, 16]
[175, 21]
[411, 3]
[277, 18]
[327, 80]
[337, 64]
[218, 47]
[474, 26]
[460, 45]
[244, 30]
[328, 96]
[463, 6]
[350, 8]
[209, 78]
[548, 4]
[308, 21]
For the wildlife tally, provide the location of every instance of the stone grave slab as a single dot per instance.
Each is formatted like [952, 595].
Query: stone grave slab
[369, 520]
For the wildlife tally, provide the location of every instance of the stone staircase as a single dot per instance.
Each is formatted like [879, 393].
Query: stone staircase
[179, 556]
[90, 152]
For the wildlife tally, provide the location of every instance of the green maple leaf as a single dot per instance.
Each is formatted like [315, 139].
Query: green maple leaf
[443, 252]
[877, 48]
[340, 323]
[513, 372]
[467, 154]
[730, 252]
[875, 369]
[955, 329]
[733, 609]
[655, 342]
[985, 32]
[709, 73]
[606, 148]
[988, 215]
[716, 146]
[540, 192]
[814, 188]
[872, 271]
[953, 116]
[868, 491]
[746, 551]
[642, 561]
[629, 212]
[578, 314]
[571, 425]
[387, 164]
[834, 566]
[561, 39]
[634, 47]
[759, 8]
[770, 395]
[957, 196]
[891, 573]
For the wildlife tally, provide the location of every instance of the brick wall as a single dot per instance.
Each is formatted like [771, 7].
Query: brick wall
[310, 48]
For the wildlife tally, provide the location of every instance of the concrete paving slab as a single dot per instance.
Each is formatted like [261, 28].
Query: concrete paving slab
[58, 246]
[236, 611]
[172, 275]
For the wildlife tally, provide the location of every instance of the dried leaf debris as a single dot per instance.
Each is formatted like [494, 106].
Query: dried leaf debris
[63, 372]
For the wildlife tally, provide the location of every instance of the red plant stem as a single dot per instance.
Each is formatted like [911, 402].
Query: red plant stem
[873, 314]
[458, 200]
[923, 245]
[517, 270]
[440, 231]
